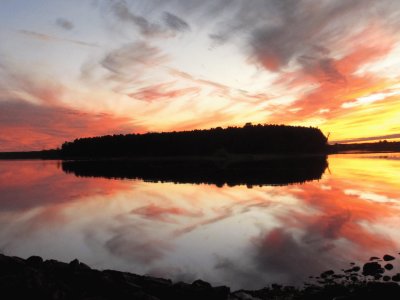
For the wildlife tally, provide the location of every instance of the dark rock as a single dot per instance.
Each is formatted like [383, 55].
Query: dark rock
[83, 266]
[388, 267]
[327, 274]
[201, 283]
[378, 276]
[356, 269]
[354, 278]
[53, 280]
[74, 263]
[221, 292]
[35, 261]
[373, 258]
[275, 286]
[348, 270]
[54, 265]
[199, 292]
[372, 269]
[396, 277]
[381, 290]
[241, 295]
[10, 265]
[388, 257]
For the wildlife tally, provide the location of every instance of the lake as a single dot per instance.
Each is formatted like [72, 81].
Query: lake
[241, 235]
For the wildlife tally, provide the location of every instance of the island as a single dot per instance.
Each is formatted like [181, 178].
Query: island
[217, 142]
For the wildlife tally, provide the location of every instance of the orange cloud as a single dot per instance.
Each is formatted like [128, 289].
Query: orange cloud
[27, 126]
[339, 85]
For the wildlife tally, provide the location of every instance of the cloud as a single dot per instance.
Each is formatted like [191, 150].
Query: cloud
[279, 33]
[135, 239]
[278, 256]
[162, 91]
[344, 218]
[328, 227]
[339, 83]
[279, 253]
[164, 214]
[64, 24]
[238, 273]
[370, 138]
[322, 68]
[172, 23]
[175, 23]
[50, 38]
[370, 99]
[315, 51]
[27, 126]
[42, 186]
[129, 60]
[122, 11]
[133, 246]
[189, 77]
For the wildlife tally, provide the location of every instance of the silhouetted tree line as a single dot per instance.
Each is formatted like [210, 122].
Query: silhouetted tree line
[43, 154]
[368, 147]
[254, 139]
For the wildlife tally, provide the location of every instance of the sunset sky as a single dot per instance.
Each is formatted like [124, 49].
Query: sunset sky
[77, 68]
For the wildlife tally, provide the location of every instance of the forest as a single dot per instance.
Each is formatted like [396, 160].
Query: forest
[381, 146]
[249, 139]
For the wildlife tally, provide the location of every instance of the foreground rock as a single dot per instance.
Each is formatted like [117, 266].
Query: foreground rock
[35, 278]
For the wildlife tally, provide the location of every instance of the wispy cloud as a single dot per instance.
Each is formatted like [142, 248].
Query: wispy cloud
[51, 38]
[172, 24]
[175, 23]
[129, 60]
[163, 91]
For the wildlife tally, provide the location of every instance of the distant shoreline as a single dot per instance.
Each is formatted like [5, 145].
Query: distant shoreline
[58, 155]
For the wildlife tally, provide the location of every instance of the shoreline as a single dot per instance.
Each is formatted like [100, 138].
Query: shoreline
[179, 158]
[224, 157]
[50, 279]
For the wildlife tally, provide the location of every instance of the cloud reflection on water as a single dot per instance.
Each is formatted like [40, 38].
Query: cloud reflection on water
[231, 235]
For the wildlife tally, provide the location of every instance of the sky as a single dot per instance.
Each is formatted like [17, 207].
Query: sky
[81, 68]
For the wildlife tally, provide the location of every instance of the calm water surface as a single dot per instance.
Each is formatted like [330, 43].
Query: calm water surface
[238, 236]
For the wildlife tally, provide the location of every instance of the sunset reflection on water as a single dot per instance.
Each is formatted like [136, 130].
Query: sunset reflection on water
[235, 236]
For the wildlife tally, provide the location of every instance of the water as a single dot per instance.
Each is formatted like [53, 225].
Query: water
[232, 235]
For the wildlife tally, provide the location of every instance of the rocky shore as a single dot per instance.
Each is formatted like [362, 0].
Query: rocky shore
[35, 278]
